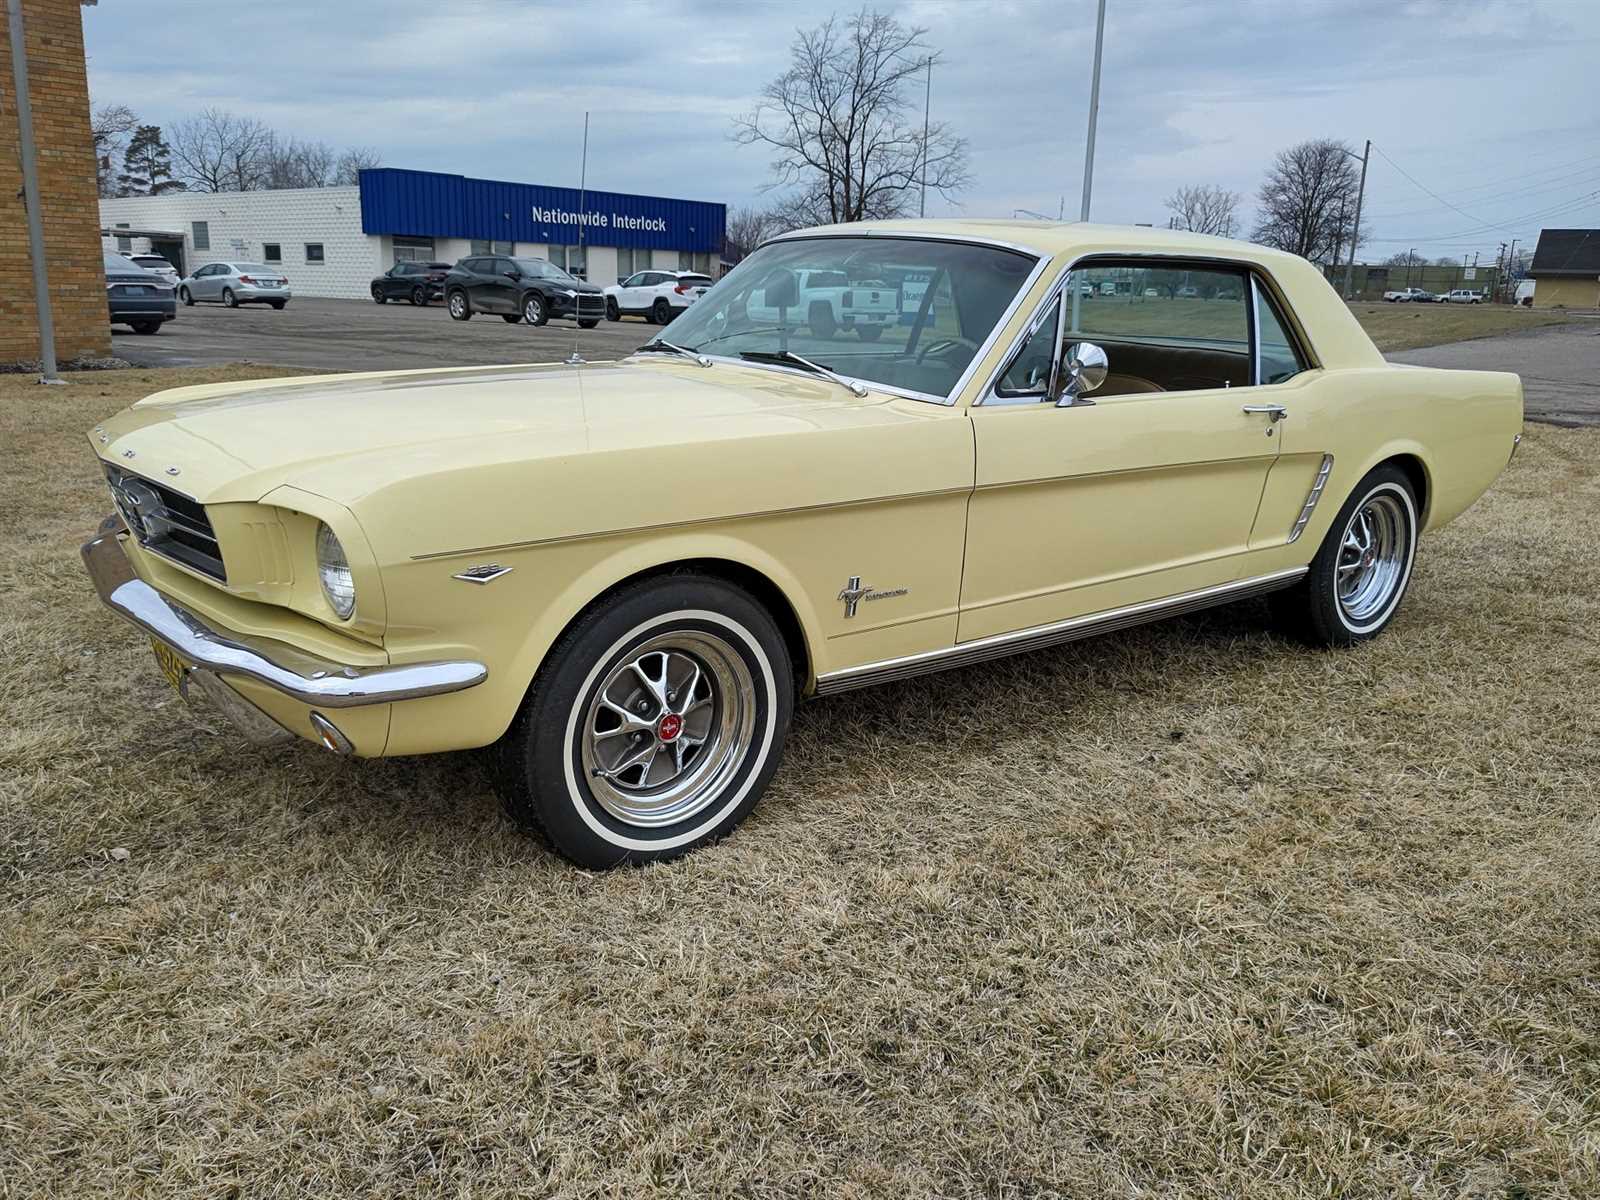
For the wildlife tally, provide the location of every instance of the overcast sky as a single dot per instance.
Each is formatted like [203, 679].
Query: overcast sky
[1492, 104]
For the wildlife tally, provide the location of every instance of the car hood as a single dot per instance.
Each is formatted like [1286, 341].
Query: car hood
[345, 437]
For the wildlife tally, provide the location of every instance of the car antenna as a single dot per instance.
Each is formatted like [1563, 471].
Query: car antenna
[575, 359]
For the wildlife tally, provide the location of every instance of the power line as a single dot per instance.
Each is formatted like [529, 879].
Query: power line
[1514, 225]
[1547, 186]
[1429, 190]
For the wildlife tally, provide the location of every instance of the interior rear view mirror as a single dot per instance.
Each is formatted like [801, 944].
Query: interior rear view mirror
[781, 289]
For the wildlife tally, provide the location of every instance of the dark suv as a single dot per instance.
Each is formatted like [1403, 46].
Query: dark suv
[417, 282]
[520, 289]
[137, 297]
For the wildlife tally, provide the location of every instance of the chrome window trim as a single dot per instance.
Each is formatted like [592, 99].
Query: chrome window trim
[1039, 637]
[953, 397]
[1253, 270]
[801, 235]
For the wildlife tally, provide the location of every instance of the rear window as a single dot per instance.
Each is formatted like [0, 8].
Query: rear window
[245, 268]
[695, 280]
[150, 260]
[822, 279]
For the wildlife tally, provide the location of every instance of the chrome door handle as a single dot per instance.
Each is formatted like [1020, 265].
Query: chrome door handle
[1276, 411]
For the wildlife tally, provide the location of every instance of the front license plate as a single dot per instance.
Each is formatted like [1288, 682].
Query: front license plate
[172, 668]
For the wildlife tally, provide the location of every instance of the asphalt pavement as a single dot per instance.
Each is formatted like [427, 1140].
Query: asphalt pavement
[1559, 365]
[358, 335]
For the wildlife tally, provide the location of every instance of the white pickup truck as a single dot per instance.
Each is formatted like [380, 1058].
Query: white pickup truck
[1407, 295]
[830, 302]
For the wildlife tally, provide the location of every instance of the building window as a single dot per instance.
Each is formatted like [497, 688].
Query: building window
[201, 232]
[479, 246]
[271, 252]
[313, 252]
[689, 260]
[413, 249]
[124, 244]
[629, 261]
[572, 259]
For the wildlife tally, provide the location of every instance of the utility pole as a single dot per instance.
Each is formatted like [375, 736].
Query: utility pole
[30, 197]
[1094, 112]
[1511, 268]
[1355, 234]
[927, 103]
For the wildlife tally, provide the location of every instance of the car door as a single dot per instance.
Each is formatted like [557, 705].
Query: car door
[397, 283]
[625, 292]
[1147, 488]
[212, 288]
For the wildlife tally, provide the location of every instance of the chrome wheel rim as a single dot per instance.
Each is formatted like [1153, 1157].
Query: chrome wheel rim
[668, 728]
[1372, 557]
[457, 305]
[531, 311]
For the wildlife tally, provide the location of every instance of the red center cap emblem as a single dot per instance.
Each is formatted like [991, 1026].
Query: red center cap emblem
[669, 727]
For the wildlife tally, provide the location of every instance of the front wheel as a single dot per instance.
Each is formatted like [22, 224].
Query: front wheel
[183, 294]
[533, 310]
[1361, 571]
[613, 313]
[378, 296]
[654, 725]
[277, 305]
[229, 300]
[460, 310]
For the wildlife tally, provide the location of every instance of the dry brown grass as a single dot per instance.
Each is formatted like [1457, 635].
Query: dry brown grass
[1408, 326]
[1186, 911]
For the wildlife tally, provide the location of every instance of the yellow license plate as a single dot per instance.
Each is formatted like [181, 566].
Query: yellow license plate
[172, 667]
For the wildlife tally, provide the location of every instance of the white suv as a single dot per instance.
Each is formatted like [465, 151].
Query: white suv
[1463, 296]
[658, 296]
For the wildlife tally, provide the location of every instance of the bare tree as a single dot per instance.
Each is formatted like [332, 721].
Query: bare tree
[352, 162]
[219, 152]
[288, 163]
[1409, 258]
[1447, 261]
[1308, 200]
[1204, 208]
[109, 127]
[747, 228]
[843, 122]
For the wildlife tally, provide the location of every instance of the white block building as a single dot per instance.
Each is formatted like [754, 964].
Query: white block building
[334, 241]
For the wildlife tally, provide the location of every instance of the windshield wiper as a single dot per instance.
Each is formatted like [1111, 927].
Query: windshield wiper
[672, 348]
[789, 356]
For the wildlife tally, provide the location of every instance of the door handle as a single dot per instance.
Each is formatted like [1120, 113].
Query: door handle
[1276, 411]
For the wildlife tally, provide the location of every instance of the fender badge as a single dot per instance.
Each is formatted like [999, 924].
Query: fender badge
[484, 573]
[854, 592]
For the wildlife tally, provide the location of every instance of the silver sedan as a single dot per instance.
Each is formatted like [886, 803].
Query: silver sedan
[234, 283]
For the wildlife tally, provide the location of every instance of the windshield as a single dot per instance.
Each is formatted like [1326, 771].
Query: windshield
[902, 312]
[542, 269]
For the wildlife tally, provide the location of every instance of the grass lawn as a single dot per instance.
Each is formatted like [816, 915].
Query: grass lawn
[1408, 326]
[1183, 911]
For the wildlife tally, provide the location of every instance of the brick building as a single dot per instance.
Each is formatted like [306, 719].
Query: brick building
[59, 89]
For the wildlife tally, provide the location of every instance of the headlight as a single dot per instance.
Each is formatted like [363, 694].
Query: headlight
[338, 585]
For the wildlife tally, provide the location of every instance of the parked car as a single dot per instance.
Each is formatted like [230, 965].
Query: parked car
[1463, 296]
[234, 283]
[657, 296]
[157, 265]
[1524, 293]
[417, 282]
[1407, 295]
[830, 301]
[624, 575]
[137, 297]
[520, 289]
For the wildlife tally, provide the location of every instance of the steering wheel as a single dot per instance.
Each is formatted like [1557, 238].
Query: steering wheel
[943, 346]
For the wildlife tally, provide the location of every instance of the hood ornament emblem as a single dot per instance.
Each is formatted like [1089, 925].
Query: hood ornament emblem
[129, 454]
[173, 471]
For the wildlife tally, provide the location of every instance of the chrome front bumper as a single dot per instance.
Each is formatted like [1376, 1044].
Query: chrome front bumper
[313, 681]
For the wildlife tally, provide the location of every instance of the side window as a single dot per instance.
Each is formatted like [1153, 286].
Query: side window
[1280, 357]
[634, 280]
[1166, 326]
[1028, 376]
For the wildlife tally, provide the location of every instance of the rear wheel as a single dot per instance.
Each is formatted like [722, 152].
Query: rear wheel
[147, 327]
[229, 300]
[278, 304]
[661, 312]
[378, 296]
[533, 309]
[419, 296]
[653, 726]
[1362, 570]
[459, 307]
[870, 333]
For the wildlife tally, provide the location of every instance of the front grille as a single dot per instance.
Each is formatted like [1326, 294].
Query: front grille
[166, 522]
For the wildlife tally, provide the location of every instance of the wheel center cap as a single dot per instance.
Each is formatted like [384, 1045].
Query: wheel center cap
[669, 727]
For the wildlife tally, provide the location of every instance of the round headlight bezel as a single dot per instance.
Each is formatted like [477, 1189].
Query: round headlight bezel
[334, 573]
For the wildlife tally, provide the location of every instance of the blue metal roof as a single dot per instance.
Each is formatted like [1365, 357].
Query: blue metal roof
[428, 204]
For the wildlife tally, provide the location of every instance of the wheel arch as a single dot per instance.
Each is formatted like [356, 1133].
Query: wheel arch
[1414, 465]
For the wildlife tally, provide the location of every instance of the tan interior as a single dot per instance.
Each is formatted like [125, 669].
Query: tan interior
[1140, 367]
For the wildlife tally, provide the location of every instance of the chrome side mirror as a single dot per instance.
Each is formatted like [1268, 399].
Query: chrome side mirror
[1084, 369]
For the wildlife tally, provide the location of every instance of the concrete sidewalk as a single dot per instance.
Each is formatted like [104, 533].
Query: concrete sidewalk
[1559, 365]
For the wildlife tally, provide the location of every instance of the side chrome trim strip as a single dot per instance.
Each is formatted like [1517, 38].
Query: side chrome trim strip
[1310, 505]
[1041, 636]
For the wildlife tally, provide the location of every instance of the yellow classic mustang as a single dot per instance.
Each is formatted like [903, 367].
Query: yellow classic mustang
[623, 575]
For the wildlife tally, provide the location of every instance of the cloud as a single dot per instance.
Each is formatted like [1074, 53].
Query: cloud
[1192, 92]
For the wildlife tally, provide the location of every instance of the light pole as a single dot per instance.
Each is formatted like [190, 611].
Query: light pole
[1355, 234]
[30, 197]
[1094, 112]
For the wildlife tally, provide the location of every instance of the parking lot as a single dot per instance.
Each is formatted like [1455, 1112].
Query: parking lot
[358, 335]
